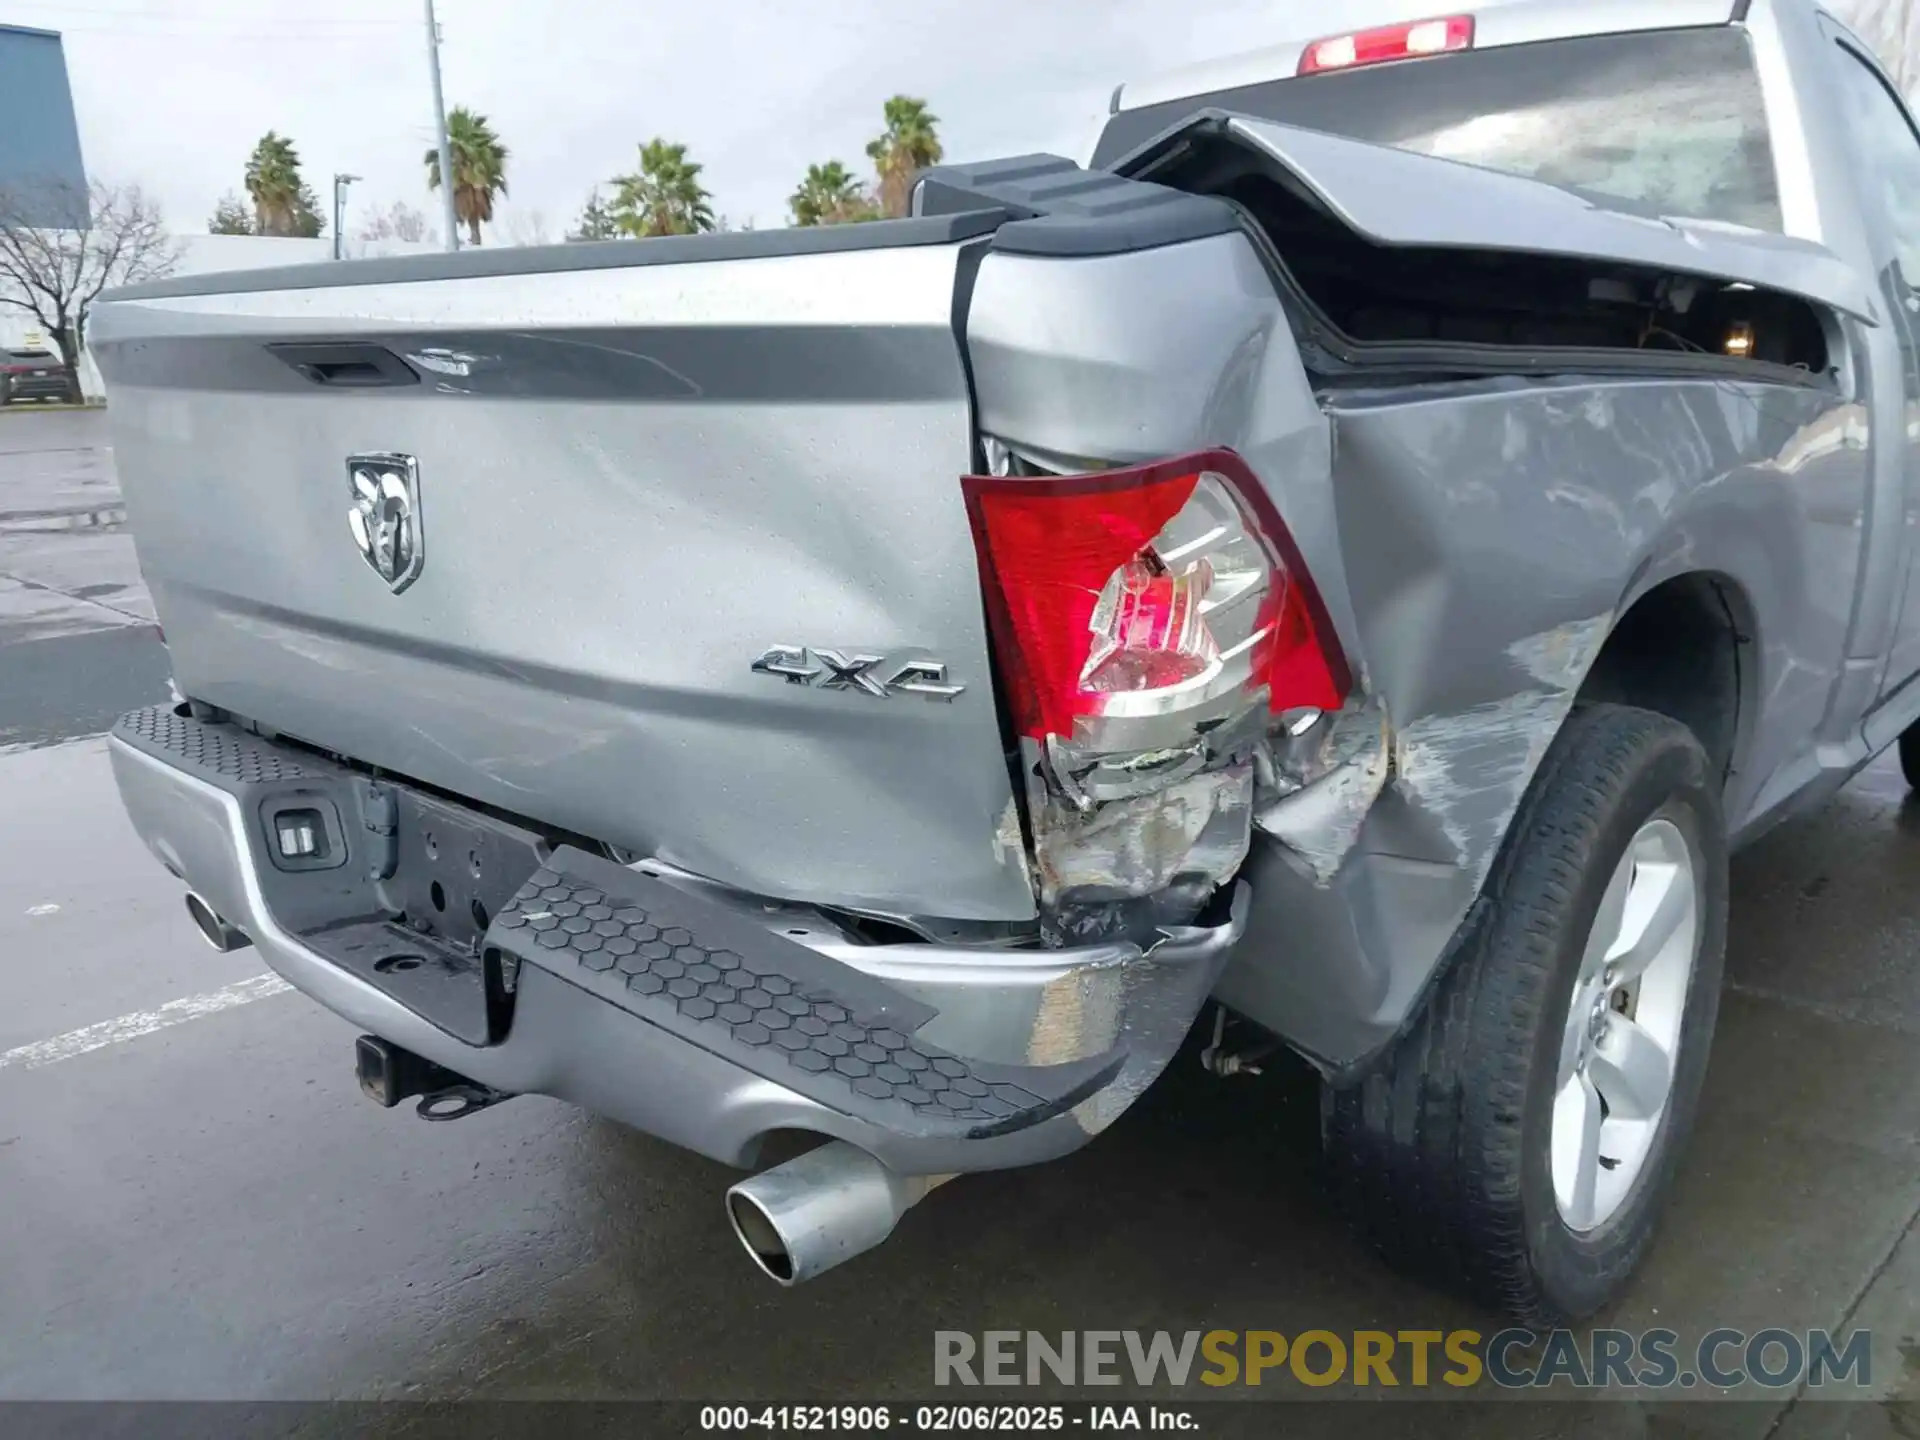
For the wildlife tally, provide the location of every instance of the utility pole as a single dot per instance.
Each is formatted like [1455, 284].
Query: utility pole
[340, 183]
[452, 218]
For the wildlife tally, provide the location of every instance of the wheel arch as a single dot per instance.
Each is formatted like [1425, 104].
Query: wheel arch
[1685, 648]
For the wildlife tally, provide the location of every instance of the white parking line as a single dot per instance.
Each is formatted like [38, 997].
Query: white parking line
[142, 1022]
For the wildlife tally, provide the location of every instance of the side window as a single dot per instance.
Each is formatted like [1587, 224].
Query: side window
[1889, 156]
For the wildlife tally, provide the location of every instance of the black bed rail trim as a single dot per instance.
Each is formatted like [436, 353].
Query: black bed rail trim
[590, 255]
[1060, 208]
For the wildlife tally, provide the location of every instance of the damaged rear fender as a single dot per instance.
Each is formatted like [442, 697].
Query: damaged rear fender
[1492, 534]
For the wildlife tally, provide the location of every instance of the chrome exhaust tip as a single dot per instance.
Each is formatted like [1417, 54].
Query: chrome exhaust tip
[214, 930]
[801, 1219]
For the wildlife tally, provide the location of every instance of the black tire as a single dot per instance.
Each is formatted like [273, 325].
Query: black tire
[1910, 755]
[1441, 1152]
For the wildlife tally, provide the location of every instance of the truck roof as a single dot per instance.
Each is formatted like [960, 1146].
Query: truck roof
[1516, 22]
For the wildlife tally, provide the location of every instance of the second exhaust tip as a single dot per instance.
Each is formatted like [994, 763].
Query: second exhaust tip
[801, 1219]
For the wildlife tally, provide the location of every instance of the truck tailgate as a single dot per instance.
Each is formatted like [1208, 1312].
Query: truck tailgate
[633, 478]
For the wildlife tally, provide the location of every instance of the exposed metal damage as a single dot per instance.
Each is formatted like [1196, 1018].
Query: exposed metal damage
[1466, 771]
[1125, 866]
[1326, 782]
[1145, 844]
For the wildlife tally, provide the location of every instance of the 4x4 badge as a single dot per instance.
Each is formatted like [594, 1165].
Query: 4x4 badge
[851, 670]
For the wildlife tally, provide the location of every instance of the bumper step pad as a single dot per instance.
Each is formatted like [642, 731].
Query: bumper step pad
[771, 1006]
[222, 755]
[675, 960]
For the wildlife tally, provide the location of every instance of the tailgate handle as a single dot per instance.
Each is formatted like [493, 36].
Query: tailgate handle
[348, 366]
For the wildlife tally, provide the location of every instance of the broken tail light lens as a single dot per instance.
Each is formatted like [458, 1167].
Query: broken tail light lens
[1148, 625]
[1147, 593]
[1387, 43]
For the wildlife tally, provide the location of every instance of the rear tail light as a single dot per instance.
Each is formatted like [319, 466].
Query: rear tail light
[1159, 591]
[1149, 625]
[1388, 42]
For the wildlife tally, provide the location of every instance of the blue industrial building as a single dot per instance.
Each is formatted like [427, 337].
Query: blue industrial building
[40, 165]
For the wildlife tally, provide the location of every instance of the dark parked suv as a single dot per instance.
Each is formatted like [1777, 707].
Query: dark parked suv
[31, 375]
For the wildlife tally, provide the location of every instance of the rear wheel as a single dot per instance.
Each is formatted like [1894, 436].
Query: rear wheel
[1519, 1141]
[1910, 755]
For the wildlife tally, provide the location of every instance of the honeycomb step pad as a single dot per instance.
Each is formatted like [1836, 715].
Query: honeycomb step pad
[223, 755]
[771, 1006]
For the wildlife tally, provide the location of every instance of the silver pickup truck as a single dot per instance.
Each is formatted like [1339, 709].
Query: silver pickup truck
[1360, 554]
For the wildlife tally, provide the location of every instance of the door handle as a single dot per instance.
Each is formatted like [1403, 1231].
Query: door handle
[347, 365]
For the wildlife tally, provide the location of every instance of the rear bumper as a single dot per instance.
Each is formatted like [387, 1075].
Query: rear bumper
[1071, 1037]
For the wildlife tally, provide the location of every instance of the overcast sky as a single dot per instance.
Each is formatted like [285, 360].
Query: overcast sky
[172, 94]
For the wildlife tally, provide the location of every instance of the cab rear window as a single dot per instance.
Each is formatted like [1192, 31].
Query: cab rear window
[1668, 121]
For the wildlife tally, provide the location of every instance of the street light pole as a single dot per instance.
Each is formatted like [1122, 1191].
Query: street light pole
[452, 218]
[340, 183]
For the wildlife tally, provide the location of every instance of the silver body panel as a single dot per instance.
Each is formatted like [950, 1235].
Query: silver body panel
[600, 571]
[1475, 543]
[1394, 197]
[565, 1042]
[1473, 596]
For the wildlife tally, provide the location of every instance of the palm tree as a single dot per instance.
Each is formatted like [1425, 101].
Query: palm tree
[664, 197]
[910, 143]
[479, 163]
[273, 183]
[830, 196]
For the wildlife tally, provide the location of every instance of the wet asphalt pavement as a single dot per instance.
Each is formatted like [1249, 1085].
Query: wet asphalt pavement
[196, 1203]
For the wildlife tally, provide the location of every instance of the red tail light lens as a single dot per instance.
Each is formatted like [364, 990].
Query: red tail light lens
[1388, 42]
[1159, 591]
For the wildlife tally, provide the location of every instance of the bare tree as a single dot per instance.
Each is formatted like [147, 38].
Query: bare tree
[401, 222]
[1888, 26]
[526, 227]
[61, 245]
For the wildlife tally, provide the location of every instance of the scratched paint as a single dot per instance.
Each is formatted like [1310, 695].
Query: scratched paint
[1320, 821]
[1468, 770]
[1558, 658]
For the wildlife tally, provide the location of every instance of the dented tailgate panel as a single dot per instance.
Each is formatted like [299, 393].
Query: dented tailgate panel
[633, 482]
